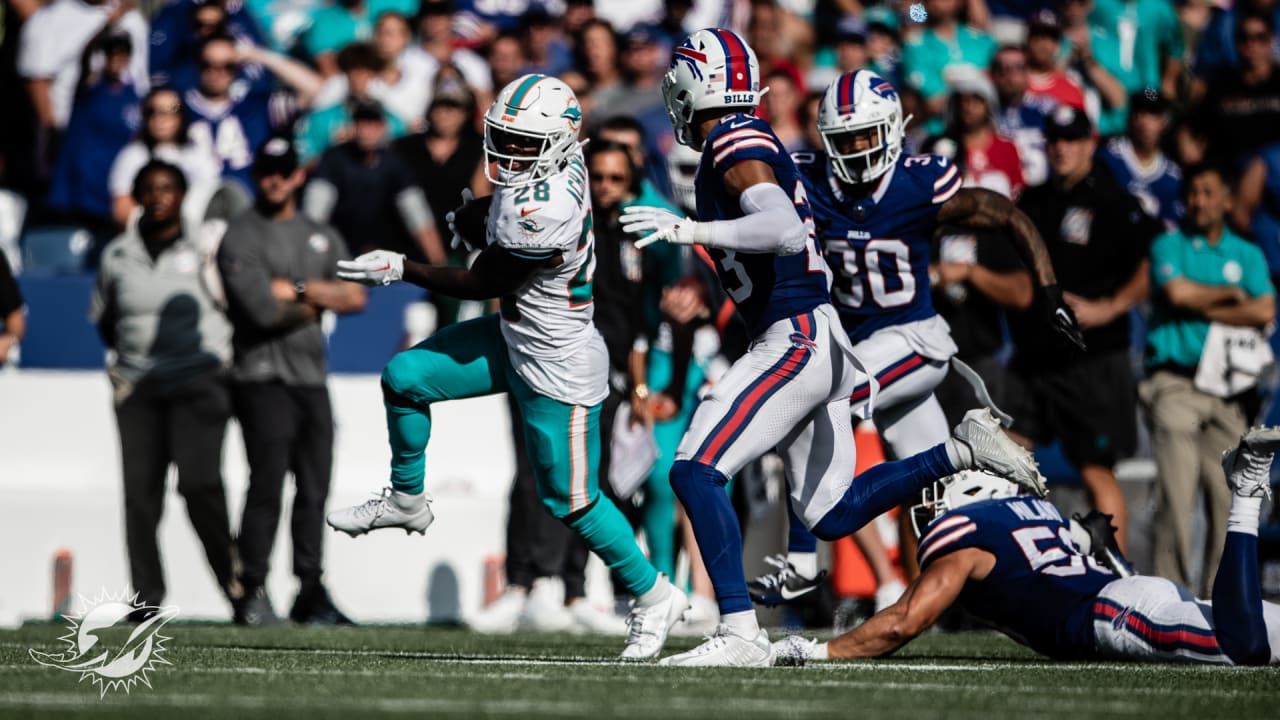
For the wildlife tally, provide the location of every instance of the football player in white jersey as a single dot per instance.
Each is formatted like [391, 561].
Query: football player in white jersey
[542, 347]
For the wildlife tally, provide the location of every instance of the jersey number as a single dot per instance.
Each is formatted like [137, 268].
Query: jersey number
[541, 193]
[885, 264]
[230, 145]
[580, 285]
[1058, 558]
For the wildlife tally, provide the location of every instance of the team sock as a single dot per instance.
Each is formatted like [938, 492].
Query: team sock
[654, 595]
[701, 490]
[820, 652]
[608, 534]
[800, 540]
[743, 624]
[959, 454]
[1238, 620]
[408, 430]
[804, 563]
[882, 488]
[1244, 515]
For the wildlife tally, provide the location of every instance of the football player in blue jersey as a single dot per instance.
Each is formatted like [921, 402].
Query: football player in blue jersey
[791, 390]
[876, 211]
[1013, 562]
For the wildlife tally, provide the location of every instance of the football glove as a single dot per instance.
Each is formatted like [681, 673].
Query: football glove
[654, 223]
[1062, 319]
[469, 222]
[380, 267]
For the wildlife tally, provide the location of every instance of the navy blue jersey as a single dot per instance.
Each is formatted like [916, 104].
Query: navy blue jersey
[1041, 590]
[1158, 188]
[878, 246]
[233, 130]
[766, 287]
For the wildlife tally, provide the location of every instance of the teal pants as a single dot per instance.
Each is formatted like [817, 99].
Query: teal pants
[563, 440]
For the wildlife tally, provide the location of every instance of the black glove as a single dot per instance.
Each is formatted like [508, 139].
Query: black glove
[1062, 319]
[469, 222]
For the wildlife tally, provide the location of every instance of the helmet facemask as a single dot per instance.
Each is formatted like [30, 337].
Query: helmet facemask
[515, 158]
[860, 153]
[954, 491]
[679, 104]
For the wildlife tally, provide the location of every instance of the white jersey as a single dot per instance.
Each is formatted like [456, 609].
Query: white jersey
[548, 324]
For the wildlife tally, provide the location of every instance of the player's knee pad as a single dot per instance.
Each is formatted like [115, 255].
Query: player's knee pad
[689, 477]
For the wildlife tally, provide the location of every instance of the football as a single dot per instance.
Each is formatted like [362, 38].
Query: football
[470, 221]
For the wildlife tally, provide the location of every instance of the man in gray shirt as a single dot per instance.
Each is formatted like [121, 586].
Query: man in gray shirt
[278, 270]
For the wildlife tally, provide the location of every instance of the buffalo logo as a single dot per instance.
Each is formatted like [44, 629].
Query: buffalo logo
[883, 88]
[103, 647]
[689, 56]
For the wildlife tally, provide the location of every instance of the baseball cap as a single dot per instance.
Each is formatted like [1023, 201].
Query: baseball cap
[435, 7]
[881, 17]
[851, 28]
[366, 109]
[1044, 22]
[1067, 123]
[642, 34]
[452, 91]
[1148, 100]
[276, 156]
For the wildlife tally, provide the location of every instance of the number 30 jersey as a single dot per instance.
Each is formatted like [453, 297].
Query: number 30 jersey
[878, 246]
[766, 287]
[1041, 590]
[548, 324]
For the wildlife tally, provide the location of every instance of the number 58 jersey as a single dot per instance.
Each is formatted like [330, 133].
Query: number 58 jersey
[1041, 589]
[878, 246]
[548, 324]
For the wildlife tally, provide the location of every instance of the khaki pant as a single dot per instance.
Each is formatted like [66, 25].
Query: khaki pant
[1189, 432]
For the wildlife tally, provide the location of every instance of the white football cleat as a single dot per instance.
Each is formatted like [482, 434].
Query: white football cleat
[649, 625]
[391, 509]
[725, 649]
[502, 616]
[995, 452]
[544, 610]
[1248, 465]
[793, 651]
[592, 620]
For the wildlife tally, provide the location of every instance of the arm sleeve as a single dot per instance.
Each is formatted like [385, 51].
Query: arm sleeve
[1164, 265]
[770, 224]
[1257, 280]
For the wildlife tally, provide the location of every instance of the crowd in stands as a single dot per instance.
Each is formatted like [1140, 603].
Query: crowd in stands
[1142, 137]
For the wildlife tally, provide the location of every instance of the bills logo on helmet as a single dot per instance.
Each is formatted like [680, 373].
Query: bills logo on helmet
[881, 87]
[688, 55]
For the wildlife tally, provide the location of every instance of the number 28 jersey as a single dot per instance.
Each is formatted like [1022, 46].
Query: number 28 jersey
[878, 246]
[766, 287]
[1041, 589]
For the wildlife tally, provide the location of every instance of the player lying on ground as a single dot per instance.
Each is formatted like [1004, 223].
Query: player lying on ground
[791, 390]
[542, 348]
[876, 211]
[1011, 561]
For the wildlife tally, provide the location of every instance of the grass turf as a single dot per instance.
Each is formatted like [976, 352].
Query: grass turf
[229, 672]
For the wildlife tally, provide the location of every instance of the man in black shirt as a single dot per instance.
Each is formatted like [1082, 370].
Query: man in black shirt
[1240, 112]
[1098, 236]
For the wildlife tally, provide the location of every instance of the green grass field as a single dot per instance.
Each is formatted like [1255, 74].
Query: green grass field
[228, 672]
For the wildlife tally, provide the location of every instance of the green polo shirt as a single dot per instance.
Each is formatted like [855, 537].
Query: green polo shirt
[1176, 336]
[1144, 31]
[334, 27]
[926, 57]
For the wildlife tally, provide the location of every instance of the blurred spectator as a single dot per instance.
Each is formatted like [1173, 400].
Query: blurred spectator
[1097, 237]
[1201, 274]
[1138, 163]
[13, 316]
[1093, 55]
[180, 26]
[577, 13]
[444, 160]
[435, 30]
[1257, 207]
[1217, 52]
[506, 59]
[345, 22]
[640, 94]
[282, 22]
[931, 53]
[171, 346]
[1047, 82]
[597, 55]
[278, 269]
[164, 136]
[630, 134]
[1240, 112]
[478, 22]
[781, 105]
[1009, 17]
[1150, 39]
[331, 122]
[808, 121]
[1020, 117]
[370, 196]
[53, 40]
[545, 47]
[404, 85]
[105, 117]
[986, 159]
[231, 117]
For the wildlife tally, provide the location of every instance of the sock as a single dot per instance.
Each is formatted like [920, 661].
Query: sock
[608, 534]
[408, 501]
[1244, 514]
[805, 563]
[959, 454]
[743, 624]
[883, 487]
[820, 652]
[408, 430]
[1238, 621]
[799, 539]
[654, 595]
[715, 525]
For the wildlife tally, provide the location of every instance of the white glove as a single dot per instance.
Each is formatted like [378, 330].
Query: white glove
[457, 241]
[380, 267]
[655, 223]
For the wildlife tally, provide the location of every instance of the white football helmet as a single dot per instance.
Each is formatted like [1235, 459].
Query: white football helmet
[530, 131]
[682, 167]
[861, 102]
[953, 491]
[711, 69]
